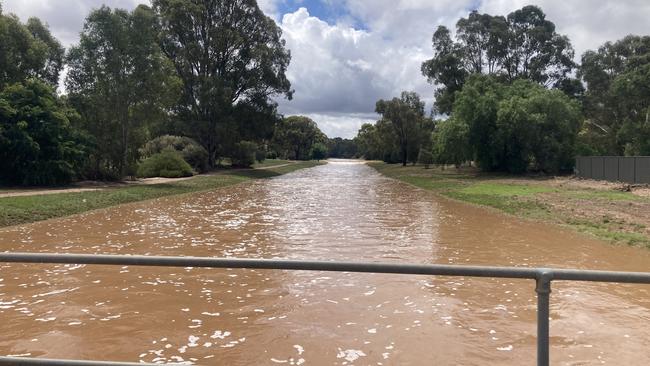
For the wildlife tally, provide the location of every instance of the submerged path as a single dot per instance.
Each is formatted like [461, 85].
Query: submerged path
[342, 211]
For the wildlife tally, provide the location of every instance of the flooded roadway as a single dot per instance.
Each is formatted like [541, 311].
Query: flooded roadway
[339, 211]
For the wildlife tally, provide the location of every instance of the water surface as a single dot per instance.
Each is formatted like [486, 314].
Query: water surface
[339, 211]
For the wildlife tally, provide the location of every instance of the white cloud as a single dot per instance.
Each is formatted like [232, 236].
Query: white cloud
[587, 23]
[65, 17]
[340, 71]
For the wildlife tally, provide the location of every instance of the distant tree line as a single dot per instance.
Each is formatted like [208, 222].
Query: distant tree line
[510, 98]
[171, 89]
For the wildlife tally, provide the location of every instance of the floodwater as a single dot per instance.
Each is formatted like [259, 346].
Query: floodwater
[339, 211]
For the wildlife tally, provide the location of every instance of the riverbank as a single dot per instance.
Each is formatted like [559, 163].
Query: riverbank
[21, 209]
[604, 210]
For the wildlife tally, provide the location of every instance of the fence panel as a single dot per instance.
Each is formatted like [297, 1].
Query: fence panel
[629, 169]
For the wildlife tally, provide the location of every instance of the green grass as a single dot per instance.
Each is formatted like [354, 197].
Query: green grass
[605, 231]
[603, 195]
[24, 209]
[522, 199]
[503, 190]
[270, 162]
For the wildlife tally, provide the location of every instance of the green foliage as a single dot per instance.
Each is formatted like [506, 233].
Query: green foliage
[518, 127]
[522, 45]
[228, 54]
[193, 153]
[38, 145]
[341, 148]
[405, 116]
[121, 84]
[318, 151]
[451, 142]
[167, 164]
[295, 136]
[616, 102]
[28, 51]
[243, 155]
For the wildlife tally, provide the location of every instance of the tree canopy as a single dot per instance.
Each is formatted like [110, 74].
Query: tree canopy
[295, 136]
[38, 144]
[121, 83]
[617, 99]
[227, 52]
[522, 45]
[28, 51]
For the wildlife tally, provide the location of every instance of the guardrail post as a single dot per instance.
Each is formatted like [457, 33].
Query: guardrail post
[543, 290]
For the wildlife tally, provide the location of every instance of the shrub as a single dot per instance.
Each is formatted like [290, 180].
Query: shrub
[196, 156]
[38, 145]
[243, 155]
[318, 151]
[190, 150]
[167, 164]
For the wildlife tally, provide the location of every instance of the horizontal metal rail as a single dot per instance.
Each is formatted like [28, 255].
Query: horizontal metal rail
[542, 276]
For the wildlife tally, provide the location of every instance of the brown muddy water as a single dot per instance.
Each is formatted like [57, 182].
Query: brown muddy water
[339, 211]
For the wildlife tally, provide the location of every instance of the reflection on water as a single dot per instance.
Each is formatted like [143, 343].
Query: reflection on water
[340, 211]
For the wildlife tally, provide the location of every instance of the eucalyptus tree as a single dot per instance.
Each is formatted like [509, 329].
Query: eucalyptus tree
[523, 45]
[616, 103]
[296, 136]
[227, 52]
[27, 51]
[121, 83]
[406, 116]
[38, 144]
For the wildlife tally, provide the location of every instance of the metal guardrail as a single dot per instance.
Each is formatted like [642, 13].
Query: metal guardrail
[542, 276]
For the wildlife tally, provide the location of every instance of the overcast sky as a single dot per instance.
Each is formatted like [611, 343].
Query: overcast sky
[347, 54]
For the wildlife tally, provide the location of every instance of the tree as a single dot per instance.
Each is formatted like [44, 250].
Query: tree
[121, 83]
[368, 143]
[516, 127]
[28, 51]
[318, 151]
[38, 145]
[615, 103]
[405, 115]
[451, 142]
[522, 45]
[296, 135]
[244, 154]
[341, 148]
[227, 53]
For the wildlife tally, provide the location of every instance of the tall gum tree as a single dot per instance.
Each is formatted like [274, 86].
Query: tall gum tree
[406, 115]
[523, 45]
[227, 52]
[121, 83]
[28, 51]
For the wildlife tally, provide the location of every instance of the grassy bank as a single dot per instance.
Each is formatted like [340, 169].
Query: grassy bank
[24, 209]
[601, 211]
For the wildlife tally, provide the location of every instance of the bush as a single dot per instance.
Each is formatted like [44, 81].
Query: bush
[271, 155]
[318, 151]
[243, 155]
[167, 164]
[190, 150]
[38, 145]
[196, 156]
